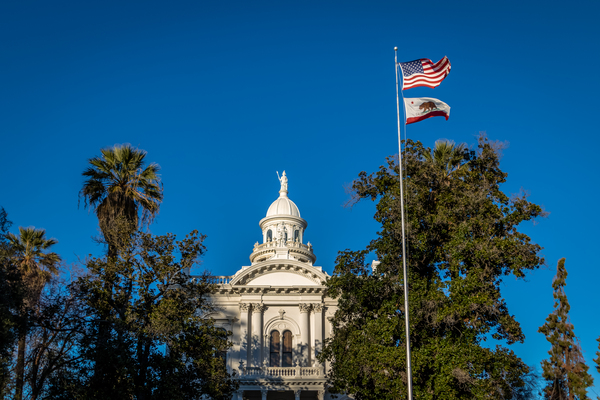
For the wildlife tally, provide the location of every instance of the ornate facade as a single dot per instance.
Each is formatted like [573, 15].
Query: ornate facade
[277, 309]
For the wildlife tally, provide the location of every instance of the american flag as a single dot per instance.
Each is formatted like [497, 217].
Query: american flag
[423, 72]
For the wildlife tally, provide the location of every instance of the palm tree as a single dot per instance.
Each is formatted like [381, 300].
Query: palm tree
[36, 267]
[119, 185]
[447, 156]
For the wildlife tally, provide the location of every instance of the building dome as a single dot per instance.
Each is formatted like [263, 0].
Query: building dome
[283, 232]
[283, 206]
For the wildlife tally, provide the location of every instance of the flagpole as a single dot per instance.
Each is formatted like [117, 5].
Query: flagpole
[404, 264]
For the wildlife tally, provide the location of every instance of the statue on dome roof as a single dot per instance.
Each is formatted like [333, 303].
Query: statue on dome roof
[284, 182]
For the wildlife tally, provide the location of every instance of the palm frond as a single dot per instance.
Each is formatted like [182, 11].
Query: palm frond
[29, 246]
[120, 185]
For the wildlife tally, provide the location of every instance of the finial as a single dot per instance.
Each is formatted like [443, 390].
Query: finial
[395, 49]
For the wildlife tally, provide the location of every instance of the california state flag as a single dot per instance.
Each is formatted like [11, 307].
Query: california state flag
[418, 109]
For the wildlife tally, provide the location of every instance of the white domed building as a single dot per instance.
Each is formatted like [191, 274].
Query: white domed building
[277, 308]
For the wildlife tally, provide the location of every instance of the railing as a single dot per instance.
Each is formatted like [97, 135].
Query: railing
[289, 243]
[283, 372]
[220, 280]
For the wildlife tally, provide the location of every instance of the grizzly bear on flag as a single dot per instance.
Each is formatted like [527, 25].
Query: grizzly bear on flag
[427, 106]
[420, 108]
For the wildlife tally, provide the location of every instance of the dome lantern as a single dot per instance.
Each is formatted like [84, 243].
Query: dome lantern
[283, 231]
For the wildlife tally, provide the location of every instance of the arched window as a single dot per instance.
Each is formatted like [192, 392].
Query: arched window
[269, 235]
[296, 235]
[275, 349]
[287, 350]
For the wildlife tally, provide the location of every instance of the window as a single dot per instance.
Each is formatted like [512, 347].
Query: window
[275, 349]
[296, 235]
[287, 349]
[269, 235]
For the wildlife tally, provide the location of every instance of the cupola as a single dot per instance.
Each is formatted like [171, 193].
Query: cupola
[283, 231]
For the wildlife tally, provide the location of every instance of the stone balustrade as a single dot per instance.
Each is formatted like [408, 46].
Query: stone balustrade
[297, 250]
[283, 372]
[289, 243]
[220, 280]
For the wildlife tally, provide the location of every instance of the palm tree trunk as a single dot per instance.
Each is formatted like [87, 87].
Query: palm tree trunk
[20, 368]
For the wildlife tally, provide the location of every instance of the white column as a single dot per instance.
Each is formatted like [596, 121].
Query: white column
[263, 393]
[240, 395]
[297, 394]
[244, 350]
[257, 334]
[305, 335]
[318, 342]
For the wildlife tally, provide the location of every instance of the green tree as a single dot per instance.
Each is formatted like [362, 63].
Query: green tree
[462, 241]
[56, 329]
[565, 372]
[597, 360]
[119, 185]
[36, 267]
[446, 156]
[11, 300]
[160, 343]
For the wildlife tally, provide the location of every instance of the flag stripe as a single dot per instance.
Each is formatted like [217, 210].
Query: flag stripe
[430, 78]
[432, 75]
[425, 78]
[412, 120]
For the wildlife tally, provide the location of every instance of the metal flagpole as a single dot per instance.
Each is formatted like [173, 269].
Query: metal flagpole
[405, 266]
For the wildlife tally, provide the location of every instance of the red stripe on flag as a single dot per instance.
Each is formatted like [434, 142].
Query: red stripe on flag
[426, 84]
[412, 120]
[441, 75]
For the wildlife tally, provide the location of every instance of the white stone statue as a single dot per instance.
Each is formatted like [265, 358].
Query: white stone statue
[284, 182]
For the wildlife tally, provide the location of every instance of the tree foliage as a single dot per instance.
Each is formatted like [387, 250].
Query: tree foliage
[119, 185]
[463, 239]
[565, 372]
[160, 345]
[36, 266]
[597, 360]
[57, 326]
[11, 300]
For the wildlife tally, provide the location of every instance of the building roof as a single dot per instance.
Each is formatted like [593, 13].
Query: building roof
[283, 206]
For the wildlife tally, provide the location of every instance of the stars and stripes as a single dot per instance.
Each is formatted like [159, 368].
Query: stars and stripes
[424, 72]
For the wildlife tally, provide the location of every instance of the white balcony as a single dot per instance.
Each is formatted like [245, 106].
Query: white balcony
[283, 372]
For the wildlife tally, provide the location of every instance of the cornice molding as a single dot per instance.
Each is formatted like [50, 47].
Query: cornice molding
[270, 290]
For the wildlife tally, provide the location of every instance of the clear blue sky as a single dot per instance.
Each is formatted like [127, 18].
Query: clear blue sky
[222, 94]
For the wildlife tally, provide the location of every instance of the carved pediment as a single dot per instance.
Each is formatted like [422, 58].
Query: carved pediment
[281, 279]
[288, 274]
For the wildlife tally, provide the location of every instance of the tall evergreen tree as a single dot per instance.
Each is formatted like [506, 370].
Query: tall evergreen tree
[463, 239]
[565, 372]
